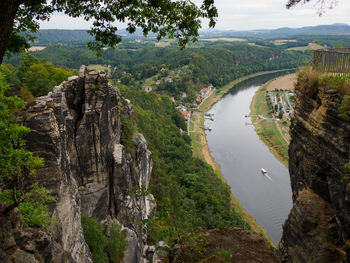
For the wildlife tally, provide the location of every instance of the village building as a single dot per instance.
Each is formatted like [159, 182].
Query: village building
[199, 99]
[205, 91]
[183, 111]
[185, 114]
[181, 107]
[148, 89]
[170, 80]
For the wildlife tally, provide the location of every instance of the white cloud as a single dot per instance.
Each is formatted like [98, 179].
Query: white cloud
[242, 15]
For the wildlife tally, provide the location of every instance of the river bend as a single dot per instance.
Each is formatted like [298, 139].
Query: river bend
[236, 147]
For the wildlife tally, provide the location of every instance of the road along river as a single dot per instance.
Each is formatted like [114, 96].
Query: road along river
[236, 147]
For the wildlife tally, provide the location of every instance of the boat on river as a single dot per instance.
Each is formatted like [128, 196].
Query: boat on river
[264, 172]
[206, 128]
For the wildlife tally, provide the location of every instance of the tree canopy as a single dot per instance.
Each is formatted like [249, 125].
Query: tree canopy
[172, 18]
[17, 165]
[40, 78]
[323, 4]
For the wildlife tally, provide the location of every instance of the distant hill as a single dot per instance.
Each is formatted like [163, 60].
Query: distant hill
[334, 29]
[54, 36]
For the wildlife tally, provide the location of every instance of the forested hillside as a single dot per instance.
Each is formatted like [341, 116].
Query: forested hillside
[208, 63]
[54, 36]
[284, 32]
[189, 195]
[327, 32]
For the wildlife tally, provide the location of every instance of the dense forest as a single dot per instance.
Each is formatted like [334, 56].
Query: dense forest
[197, 66]
[34, 77]
[189, 195]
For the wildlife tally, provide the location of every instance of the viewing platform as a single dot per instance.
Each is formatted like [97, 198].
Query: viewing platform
[332, 60]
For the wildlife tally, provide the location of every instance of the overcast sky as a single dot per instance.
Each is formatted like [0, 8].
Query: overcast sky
[245, 14]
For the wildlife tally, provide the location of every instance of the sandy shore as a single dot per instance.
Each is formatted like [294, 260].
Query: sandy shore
[285, 83]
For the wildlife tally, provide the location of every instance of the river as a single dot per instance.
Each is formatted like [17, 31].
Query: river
[236, 147]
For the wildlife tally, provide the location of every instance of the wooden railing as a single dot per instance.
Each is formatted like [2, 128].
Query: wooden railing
[333, 60]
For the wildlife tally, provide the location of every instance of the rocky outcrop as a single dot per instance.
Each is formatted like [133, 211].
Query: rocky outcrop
[227, 245]
[319, 222]
[76, 128]
[26, 245]
[310, 233]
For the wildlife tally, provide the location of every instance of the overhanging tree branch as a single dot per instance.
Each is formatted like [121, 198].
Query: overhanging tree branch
[322, 4]
[173, 18]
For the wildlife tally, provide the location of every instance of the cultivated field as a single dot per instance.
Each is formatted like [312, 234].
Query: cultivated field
[36, 48]
[230, 39]
[162, 43]
[284, 83]
[311, 46]
[279, 42]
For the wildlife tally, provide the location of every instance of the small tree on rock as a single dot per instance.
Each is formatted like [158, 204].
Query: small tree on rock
[17, 165]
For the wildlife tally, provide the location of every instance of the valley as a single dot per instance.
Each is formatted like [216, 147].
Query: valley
[163, 154]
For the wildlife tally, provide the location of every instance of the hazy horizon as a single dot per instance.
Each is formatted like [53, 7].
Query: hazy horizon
[254, 29]
[242, 15]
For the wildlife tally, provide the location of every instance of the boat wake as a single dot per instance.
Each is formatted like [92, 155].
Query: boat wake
[264, 172]
[266, 175]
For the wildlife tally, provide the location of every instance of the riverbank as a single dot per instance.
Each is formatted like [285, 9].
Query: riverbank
[200, 147]
[273, 132]
[217, 95]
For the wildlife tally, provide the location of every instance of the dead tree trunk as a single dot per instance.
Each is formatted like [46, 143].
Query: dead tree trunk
[8, 10]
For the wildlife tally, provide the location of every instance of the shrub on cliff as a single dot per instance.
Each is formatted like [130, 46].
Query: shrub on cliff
[116, 243]
[94, 237]
[17, 165]
[40, 78]
[309, 80]
[344, 109]
[32, 206]
[127, 137]
[104, 248]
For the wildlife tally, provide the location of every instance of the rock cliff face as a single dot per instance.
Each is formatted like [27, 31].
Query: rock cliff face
[76, 128]
[26, 245]
[319, 222]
